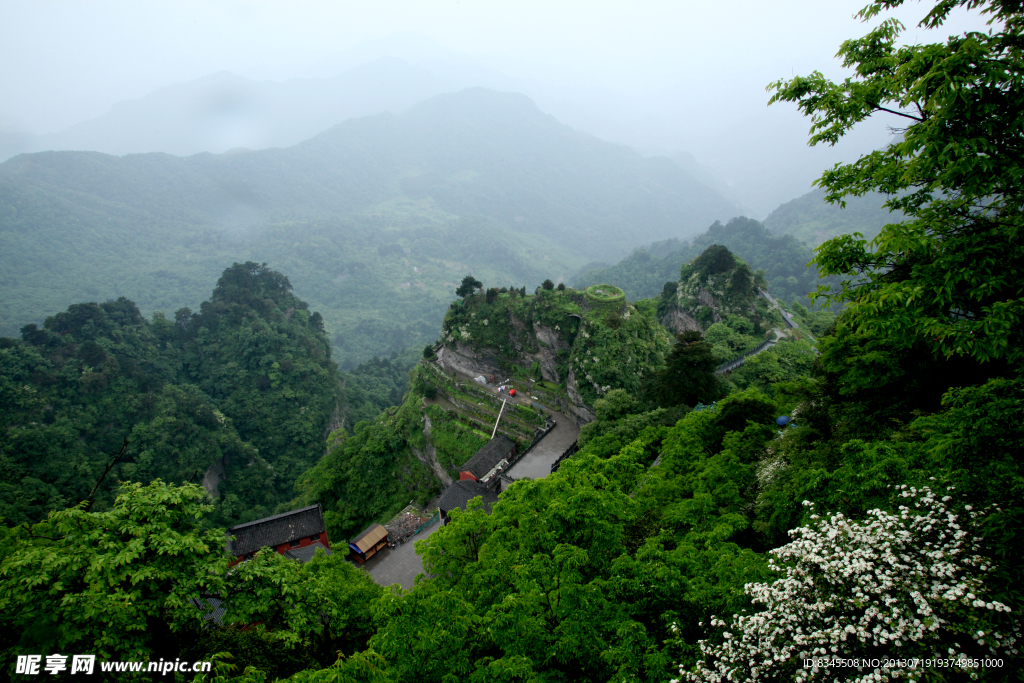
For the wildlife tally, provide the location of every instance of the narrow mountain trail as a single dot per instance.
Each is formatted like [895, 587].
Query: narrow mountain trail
[731, 365]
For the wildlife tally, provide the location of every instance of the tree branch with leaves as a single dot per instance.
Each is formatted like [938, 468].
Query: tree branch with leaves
[950, 275]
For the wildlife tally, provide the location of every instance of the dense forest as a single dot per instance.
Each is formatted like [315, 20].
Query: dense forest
[847, 505]
[243, 390]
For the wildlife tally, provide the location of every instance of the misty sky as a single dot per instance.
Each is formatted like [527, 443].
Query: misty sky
[681, 75]
[64, 62]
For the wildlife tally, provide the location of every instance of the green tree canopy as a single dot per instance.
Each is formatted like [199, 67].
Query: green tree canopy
[114, 583]
[713, 260]
[949, 275]
[469, 285]
[689, 374]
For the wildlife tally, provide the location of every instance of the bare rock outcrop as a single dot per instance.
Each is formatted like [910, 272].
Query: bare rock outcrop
[213, 476]
[428, 456]
[679, 321]
[463, 359]
[705, 298]
[578, 411]
[549, 344]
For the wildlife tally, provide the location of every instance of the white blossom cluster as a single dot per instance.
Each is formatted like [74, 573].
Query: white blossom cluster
[768, 469]
[897, 586]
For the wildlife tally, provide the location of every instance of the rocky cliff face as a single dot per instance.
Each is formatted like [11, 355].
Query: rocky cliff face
[461, 358]
[580, 347]
[464, 360]
[711, 288]
[678, 321]
[550, 344]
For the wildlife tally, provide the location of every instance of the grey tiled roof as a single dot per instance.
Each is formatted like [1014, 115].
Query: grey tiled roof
[463, 491]
[305, 553]
[212, 608]
[490, 455]
[273, 531]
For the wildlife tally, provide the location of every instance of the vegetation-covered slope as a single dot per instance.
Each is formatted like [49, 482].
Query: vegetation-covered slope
[246, 387]
[587, 342]
[813, 220]
[564, 347]
[878, 533]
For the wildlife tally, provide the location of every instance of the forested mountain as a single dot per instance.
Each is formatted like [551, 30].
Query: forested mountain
[245, 388]
[381, 209]
[784, 259]
[570, 349]
[566, 348]
[813, 220]
[844, 510]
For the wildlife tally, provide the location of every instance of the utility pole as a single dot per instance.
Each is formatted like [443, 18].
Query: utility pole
[495, 431]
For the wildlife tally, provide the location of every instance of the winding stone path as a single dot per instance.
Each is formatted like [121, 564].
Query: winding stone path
[729, 366]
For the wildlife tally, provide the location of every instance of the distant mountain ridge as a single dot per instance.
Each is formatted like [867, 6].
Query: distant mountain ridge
[476, 151]
[645, 272]
[223, 111]
[155, 228]
[811, 219]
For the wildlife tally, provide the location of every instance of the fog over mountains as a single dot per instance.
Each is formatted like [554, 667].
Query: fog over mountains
[757, 160]
[475, 152]
[378, 207]
[377, 189]
[224, 111]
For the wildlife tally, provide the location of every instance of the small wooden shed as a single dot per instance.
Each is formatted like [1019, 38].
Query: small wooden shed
[365, 545]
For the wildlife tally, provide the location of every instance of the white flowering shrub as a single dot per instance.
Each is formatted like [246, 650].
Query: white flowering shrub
[899, 596]
[768, 469]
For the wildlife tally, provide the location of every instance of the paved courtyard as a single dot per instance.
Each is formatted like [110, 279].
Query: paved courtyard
[537, 463]
[401, 564]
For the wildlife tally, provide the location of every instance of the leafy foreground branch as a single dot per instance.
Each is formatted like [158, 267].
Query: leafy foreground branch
[140, 581]
[949, 277]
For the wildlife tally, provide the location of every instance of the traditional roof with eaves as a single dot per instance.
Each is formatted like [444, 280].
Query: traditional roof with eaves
[461, 492]
[271, 532]
[493, 452]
